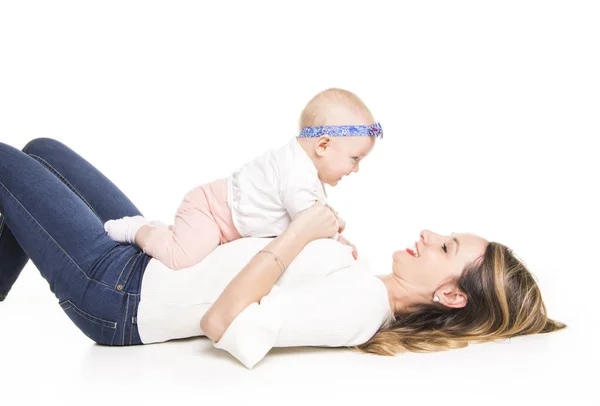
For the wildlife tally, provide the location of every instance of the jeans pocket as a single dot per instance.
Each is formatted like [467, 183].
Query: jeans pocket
[99, 330]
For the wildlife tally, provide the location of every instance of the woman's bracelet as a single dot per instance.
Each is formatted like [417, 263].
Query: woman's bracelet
[283, 267]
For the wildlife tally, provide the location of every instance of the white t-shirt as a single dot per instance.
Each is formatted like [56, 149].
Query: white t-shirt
[325, 298]
[265, 194]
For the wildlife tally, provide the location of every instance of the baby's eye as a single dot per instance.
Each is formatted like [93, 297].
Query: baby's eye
[354, 158]
[444, 248]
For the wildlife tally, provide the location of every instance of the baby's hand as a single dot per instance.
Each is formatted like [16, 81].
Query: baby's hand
[348, 243]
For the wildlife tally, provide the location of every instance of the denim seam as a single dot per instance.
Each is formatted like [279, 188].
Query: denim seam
[31, 217]
[135, 305]
[1, 224]
[125, 320]
[65, 181]
[118, 281]
[85, 316]
[131, 267]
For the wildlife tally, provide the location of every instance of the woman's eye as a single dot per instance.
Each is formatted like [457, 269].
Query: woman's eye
[445, 248]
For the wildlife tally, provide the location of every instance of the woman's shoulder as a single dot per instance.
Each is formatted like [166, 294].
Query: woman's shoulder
[326, 249]
[346, 307]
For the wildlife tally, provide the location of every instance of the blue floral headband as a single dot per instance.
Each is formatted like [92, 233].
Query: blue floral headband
[373, 130]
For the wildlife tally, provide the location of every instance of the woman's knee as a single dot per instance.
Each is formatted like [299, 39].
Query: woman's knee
[9, 159]
[40, 145]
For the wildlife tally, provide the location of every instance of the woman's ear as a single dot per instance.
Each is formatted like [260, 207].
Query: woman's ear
[451, 296]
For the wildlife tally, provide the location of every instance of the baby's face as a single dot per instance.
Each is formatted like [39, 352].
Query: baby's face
[342, 157]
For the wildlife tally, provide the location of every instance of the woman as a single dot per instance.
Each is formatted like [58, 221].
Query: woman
[300, 288]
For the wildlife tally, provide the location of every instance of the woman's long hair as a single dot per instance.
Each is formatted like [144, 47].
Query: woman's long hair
[503, 301]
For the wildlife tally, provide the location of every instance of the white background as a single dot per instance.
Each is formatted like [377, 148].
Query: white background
[489, 109]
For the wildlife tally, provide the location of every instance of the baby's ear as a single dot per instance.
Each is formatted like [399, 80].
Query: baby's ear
[322, 144]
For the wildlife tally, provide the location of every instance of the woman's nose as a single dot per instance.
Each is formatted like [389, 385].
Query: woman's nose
[427, 236]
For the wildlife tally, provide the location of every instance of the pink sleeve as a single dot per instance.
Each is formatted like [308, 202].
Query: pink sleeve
[194, 235]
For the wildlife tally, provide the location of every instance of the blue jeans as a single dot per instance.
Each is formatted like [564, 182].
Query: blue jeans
[54, 204]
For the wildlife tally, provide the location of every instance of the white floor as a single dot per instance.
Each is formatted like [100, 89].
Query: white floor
[490, 114]
[46, 360]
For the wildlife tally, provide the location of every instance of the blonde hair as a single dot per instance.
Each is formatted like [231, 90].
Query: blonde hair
[317, 110]
[503, 301]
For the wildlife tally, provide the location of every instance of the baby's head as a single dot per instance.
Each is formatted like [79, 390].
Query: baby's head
[338, 150]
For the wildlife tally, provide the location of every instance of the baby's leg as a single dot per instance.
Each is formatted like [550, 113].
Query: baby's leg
[194, 234]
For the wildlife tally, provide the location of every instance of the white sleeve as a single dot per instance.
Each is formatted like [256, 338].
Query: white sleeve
[343, 309]
[301, 191]
[253, 332]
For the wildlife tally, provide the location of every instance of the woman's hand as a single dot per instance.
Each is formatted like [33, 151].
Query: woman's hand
[316, 222]
[341, 222]
[258, 277]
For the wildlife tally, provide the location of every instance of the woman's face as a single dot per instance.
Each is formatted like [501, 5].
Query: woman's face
[435, 262]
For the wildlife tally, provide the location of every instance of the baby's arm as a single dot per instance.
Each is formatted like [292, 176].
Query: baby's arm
[300, 193]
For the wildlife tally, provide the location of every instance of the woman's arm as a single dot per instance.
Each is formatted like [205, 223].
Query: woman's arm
[257, 278]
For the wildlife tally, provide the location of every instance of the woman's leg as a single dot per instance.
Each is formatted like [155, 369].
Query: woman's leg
[103, 198]
[12, 259]
[66, 241]
[96, 190]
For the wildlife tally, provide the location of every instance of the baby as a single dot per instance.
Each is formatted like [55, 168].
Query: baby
[261, 198]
